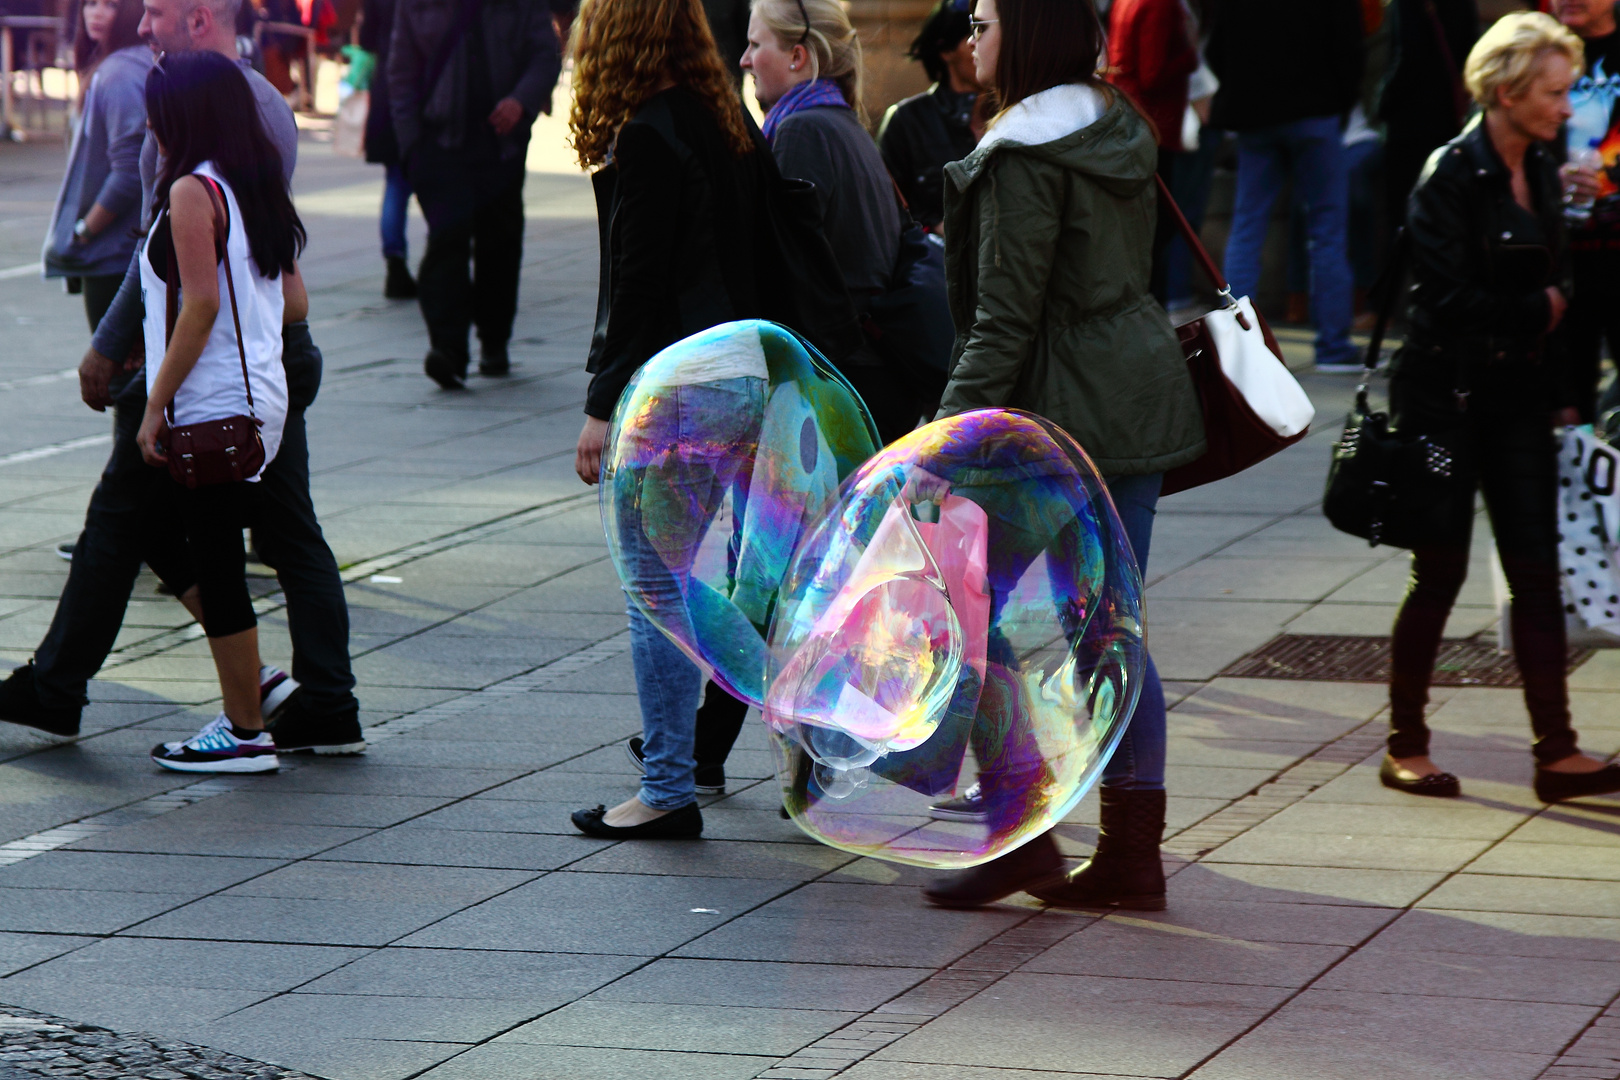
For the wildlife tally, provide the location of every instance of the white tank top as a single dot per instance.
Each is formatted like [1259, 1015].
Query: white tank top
[214, 390]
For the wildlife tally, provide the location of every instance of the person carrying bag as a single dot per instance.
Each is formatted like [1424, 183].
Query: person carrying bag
[223, 223]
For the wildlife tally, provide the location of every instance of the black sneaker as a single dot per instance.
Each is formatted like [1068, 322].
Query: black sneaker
[450, 372]
[706, 779]
[399, 285]
[970, 807]
[295, 731]
[20, 704]
[64, 550]
[494, 361]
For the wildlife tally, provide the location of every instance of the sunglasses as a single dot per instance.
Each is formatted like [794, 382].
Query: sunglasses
[977, 27]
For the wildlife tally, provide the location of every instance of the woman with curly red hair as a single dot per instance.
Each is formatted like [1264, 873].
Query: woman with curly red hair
[678, 184]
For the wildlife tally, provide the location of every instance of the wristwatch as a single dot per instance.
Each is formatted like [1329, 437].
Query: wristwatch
[81, 231]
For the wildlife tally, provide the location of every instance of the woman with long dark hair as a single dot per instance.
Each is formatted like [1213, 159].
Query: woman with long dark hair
[679, 183]
[98, 209]
[219, 355]
[1048, 253]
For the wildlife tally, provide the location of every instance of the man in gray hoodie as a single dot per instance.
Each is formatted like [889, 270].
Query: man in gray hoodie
[130, 510]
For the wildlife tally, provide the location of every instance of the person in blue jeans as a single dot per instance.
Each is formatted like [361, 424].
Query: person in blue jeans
[1290, 73]
[382, 148]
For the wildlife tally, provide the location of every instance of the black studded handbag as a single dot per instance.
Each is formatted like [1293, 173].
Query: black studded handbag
[1386, 489]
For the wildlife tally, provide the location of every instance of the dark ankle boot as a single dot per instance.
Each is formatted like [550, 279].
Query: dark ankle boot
[399, 285]
[1126, 871]
[1020, 869]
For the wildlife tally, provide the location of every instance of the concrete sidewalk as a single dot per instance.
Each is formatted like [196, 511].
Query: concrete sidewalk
[428, 910]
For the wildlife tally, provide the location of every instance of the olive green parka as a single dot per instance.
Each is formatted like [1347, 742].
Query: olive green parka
[1048, 251]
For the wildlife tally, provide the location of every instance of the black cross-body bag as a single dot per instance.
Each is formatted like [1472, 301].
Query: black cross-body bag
[1386, 489]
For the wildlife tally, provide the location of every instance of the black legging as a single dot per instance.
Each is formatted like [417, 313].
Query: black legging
[1512, 450]
[214, 518]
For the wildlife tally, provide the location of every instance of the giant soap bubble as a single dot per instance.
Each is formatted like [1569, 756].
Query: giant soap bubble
[723, 450]
[967, 612]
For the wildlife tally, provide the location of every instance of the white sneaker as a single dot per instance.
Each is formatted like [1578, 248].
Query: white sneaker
[276, 688]
[215, 749]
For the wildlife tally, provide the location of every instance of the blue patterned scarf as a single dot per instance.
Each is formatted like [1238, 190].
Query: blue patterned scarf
[807, 95]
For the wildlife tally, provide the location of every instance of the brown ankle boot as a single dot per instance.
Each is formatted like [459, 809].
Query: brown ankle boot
[1125, 872]
[1023, 868]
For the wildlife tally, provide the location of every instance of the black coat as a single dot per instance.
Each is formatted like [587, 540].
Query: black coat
[676, 213]
[1419, 98]
[376, 28]
[1284, 60]
[1479, 279]
[919, 137]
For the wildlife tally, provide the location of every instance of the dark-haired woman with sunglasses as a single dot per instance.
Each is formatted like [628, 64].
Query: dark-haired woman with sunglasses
[214, 148]
[1048, 250]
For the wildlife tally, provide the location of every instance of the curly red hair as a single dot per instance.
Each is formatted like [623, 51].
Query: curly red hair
[625, 50]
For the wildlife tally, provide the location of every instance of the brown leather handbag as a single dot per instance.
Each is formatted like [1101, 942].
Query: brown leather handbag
[212, 451]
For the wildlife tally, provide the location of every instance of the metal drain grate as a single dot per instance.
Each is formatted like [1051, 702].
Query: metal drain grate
[1343, 658]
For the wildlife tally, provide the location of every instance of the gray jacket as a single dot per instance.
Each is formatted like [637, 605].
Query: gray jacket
[524, 58]
[103, 167]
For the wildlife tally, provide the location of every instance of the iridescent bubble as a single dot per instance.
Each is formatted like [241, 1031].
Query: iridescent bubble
[723, 451]
[967, 612]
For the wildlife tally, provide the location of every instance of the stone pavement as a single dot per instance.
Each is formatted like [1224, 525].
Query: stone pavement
[427, 910]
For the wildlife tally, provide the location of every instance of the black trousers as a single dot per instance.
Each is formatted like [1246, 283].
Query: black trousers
[135, 516]
[214, 517]
[99, 291]
[1513, 453]
[1592, 319]
[474, 211]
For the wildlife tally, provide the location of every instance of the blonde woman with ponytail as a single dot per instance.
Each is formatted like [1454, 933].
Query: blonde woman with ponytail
[806, 61]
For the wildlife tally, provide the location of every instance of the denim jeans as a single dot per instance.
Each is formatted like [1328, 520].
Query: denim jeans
[1312, 149]
[395, 208]
[134, 517]
[1363, 162]
[1138, 762]
[658, 539]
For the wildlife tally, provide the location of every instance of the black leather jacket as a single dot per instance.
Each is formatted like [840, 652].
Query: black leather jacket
[1479, 276]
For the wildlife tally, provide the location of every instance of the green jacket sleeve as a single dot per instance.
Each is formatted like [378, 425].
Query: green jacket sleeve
[1020, 210]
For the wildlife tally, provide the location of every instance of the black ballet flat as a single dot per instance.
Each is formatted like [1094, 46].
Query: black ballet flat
[1436, 785]
[1554, 787]
[683, 824]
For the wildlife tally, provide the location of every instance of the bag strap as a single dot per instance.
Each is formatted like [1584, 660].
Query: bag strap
[222, 232]
[1388, 289]
[1200, 253]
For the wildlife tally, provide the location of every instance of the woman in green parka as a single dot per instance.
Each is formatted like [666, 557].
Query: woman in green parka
[1048, 251]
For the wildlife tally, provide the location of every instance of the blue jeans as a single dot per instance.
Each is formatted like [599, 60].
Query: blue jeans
[1138, 762]
[396, 205]
[659, 539]
[1313, 150]
[1363, 162]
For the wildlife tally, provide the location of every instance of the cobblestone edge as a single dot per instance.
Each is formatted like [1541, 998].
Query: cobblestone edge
[36, 1045]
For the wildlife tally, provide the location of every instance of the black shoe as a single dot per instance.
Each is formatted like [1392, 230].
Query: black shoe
[450, 372]
[706, 779]
[1025, 869]
[20, 704]
[1554, 787]
[493, 360]
[969, 807]
[1125, 872]
[1439, 785]
[399, 285]
[295, 731]
[64, 550]
[683, 824]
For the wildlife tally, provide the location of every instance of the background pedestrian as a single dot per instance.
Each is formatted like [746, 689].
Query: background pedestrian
[98, 209]
[922, 133]
[464, 93]
[382, 148]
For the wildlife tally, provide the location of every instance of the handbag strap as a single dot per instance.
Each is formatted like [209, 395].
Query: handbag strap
[1200, 253]
[1388, 289]
[222, 232]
